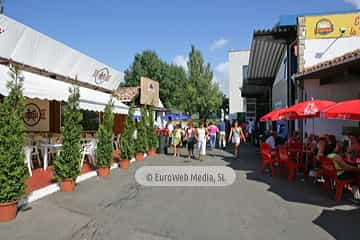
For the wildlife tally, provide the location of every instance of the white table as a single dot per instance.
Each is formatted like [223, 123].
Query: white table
[46, 147]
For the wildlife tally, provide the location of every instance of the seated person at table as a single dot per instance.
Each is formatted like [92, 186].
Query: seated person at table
[331, 144]
[320, 148]
[345, 171]
[353, 152]
[271, 140]
[294, 138]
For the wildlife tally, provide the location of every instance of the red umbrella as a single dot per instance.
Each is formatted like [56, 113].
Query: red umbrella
[275, 115]
[347, 110]
[308, 109]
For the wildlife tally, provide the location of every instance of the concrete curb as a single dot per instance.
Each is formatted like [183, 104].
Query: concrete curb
[55, 187]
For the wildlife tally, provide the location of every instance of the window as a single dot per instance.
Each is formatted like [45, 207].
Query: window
[90, 121]
[250, 107]
[245, 69]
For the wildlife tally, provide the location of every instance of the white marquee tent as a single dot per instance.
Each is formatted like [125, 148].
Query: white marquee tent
[22, 45]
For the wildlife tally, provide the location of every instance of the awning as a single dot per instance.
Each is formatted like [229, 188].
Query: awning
[36, 86]
[267, 49]
[24, 45]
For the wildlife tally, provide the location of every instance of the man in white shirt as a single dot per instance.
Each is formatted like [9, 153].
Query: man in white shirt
[271, 140]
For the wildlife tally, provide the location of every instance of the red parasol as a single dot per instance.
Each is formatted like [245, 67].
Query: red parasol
[307, 109]
[347, 110]
[275, 115]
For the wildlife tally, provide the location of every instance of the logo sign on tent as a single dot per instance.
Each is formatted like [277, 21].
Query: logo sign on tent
[36, 115]
[101, 76]
[149, 92]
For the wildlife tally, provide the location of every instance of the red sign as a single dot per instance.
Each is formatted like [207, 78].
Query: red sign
[102, 75]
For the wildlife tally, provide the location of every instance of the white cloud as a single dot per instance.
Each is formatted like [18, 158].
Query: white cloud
[222, 68]
[220, 43]
[355, 3]
[222, 76]
[222, 82]
[181, 61]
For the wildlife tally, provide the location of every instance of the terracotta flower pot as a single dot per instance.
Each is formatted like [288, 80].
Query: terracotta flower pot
[151, 153]
[139, 156]
[124, 163]
[8, 211]
[67, 185]
[103, 171]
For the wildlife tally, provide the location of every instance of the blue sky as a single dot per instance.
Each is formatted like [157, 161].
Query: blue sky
[113, 31]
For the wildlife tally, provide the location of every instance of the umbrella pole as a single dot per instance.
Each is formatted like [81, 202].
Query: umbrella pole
[313, 126]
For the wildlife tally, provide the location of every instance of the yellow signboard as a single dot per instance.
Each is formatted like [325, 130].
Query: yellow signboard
[333, 26]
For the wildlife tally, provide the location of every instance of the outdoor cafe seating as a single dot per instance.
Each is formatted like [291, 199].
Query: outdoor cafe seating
[296, 156]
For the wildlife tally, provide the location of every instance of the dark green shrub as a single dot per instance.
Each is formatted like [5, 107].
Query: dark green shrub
[13, 171]
[104, 138]
[67, 164]
[127, 137]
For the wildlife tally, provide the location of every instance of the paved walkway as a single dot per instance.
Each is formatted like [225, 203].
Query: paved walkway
[256, 206]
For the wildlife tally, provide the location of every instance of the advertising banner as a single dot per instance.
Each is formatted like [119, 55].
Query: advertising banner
[333, 26]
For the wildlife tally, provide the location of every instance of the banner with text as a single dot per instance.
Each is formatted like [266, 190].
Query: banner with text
[333, 26]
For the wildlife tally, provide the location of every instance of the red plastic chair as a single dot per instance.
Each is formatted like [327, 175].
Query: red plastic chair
[268, 159]
[290, 161]
[329, 173]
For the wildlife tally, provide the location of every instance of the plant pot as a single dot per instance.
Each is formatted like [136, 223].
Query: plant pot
[124, 163]
[103, 171]
[67, 185]
[151, 153]
[139, 156]
[8, 211]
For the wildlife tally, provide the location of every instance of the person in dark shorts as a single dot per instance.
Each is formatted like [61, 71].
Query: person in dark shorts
[190, 136]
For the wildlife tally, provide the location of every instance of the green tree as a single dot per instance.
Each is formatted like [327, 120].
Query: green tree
[172, 87]
[191, 91]
[151, 131]
[145, 64]
[104, 137]
[141, 139]
[67, 164]
[203, 96]
[127, 143]
[13, 171]
[171, 78]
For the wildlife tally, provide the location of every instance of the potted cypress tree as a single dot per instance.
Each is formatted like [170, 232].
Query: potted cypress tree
[151, 135]
[127, 141]
[141, 137]
[67, 164]
[104, 142]
[13, 171]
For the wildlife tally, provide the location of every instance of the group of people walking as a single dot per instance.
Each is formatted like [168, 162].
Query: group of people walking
[199, 137]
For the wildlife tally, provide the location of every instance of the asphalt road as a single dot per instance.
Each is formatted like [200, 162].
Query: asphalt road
[256, 206]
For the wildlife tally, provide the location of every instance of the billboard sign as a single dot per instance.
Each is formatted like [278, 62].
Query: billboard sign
[332, 26]
[149, 92]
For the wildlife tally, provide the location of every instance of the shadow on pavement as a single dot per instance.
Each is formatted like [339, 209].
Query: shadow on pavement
[299, 191]
[341, 224]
